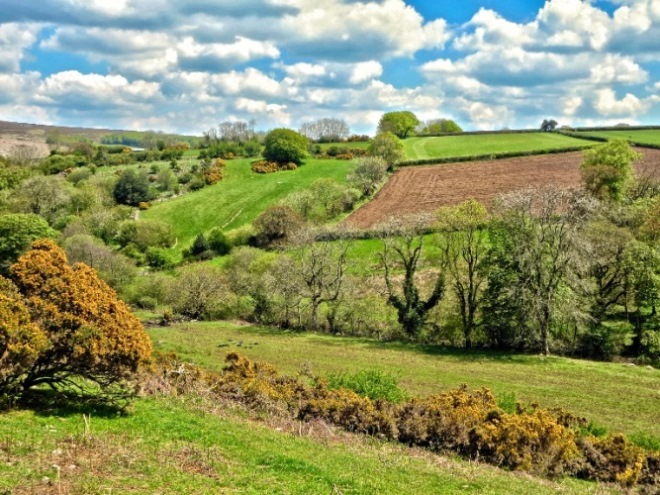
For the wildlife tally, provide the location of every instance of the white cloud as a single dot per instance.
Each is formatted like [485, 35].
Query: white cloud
[14, 40]
[366, 71]
[607, 105]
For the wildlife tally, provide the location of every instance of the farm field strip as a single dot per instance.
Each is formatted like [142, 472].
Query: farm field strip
[422, 148]
[645, 136]
[422, 190]
[611, 394]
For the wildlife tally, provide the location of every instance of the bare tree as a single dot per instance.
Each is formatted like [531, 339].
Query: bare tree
[464, 243]
[320, 267]
[328, 130]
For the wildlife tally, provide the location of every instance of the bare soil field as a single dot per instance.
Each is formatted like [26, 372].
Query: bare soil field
[420, 190]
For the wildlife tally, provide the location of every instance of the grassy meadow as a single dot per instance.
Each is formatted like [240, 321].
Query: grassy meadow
[187, 446]
[240, 197]
[613, 395]
[645, 136]
[423, 148]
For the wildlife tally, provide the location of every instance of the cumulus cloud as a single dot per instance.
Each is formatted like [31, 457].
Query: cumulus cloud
[14, 40]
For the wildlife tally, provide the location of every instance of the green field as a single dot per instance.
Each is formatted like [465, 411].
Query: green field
[619, 397]
[240, 197]
[423, 148]
[177, 446]
[645, 136]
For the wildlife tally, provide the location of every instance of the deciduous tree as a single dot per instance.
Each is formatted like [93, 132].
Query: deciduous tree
[401, 124]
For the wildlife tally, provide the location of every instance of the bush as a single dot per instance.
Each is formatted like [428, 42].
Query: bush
[368, 175]
[373, 384]
[132, 188]
[285, 145]
[218, 242]
[387, 147]
[160, 258]
[92, 340]
[266, 167]
[277, 225]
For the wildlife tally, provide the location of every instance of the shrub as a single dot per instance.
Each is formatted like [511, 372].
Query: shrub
[93, 341]
[219, 242]
[277, 225]
[374, 384]
[388, 147]
[160, 258]
[368, 175]
[285, 145]
[266, 167]
[214, 172]
[17, 232]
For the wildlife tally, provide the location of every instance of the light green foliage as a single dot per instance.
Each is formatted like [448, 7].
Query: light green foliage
[464, 244]
[324, 200]
[401, 124]
[49, 197]
[441, 126]
[144, 234]
[285, 145]
[607, 169]
[17, 231]
[388, 147]
[369, 173]
[372, 383]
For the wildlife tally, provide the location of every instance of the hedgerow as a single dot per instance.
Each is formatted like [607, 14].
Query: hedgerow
[469, 423]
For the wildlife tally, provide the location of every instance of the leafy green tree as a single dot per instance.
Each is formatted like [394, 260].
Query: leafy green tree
[388, 147]
[401, 124]
[17, 232]
[541, 252]
[464, 244]
[132, 188]
[285, 145]
[145, 233]
[441, 126]
[607, 169]
[548, 125]
[49, 197]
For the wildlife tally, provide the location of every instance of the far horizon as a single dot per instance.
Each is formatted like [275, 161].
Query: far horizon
[184, 67]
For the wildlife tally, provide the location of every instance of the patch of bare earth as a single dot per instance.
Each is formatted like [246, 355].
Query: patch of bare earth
[412, 191]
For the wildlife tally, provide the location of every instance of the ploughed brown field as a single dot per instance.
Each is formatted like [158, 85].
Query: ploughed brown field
[421, 190]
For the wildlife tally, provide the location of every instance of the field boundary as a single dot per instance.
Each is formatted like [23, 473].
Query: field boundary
[490, 156]
[600, 139]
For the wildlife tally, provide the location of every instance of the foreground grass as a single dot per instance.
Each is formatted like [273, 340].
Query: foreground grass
[621, 398]
[423, 148]
[174, 446]
[240, 197]
[645, 136]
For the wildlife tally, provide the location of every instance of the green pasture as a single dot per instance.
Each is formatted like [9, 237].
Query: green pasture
[187, 446]
[240, 197]
[644, 136]
[616, 396]
[424, 148]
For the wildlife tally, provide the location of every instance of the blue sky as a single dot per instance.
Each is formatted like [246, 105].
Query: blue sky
[187, 65]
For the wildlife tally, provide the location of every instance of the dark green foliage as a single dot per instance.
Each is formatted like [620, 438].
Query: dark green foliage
[285, 145]
[132, 188]
[200, 245]
[218, 242]
[548, 125]
[441, 126]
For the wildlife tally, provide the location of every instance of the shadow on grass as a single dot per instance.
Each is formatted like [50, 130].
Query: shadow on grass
[52, 403]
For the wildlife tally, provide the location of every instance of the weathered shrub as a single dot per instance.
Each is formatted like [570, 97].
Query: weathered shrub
[91, 334]
[269, 167]
[611, 459]
[530, 441]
